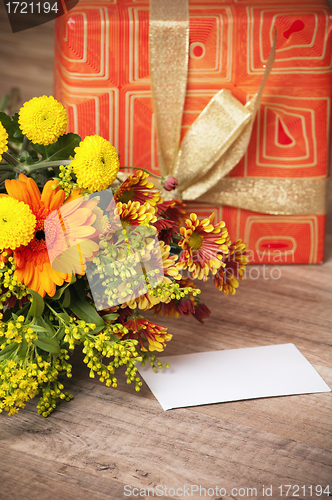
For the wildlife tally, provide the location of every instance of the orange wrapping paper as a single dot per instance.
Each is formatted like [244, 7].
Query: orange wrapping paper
[102, 77]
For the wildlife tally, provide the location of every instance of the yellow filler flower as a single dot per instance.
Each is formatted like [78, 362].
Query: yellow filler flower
[3, 140]
[96, 163]
[43, 120]
[17, 223]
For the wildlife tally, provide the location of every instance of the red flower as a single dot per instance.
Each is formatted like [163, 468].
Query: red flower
[150, 336]
[203, 245]
[173, 210]
[186, 307]
[166, 229]
[137, 188]
[201, 312]
[234, 265]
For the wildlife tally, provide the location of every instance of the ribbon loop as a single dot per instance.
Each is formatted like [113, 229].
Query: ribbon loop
[209, 137]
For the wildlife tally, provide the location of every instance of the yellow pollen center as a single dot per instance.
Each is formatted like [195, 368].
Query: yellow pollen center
[47, 119]
[126, 195]
[195, 241]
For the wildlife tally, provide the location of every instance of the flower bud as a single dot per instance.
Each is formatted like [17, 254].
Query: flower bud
[169, 183]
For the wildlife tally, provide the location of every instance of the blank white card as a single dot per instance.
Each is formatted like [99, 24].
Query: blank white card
[220, 376]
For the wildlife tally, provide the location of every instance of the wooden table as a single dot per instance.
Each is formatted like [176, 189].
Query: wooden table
[106, 438]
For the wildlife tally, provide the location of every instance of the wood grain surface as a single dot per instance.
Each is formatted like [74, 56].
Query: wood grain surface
[107, 438]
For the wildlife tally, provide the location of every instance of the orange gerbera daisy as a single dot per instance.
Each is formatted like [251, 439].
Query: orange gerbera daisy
[203, 245]
[137, 188]
[32, 264]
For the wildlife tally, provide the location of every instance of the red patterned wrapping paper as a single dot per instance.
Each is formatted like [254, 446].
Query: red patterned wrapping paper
[102, 77]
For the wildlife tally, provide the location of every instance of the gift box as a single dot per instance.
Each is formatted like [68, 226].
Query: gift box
[102, 76]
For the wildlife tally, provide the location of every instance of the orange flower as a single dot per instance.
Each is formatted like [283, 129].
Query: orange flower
[233, 268]
[173, 210]
[137, 188]
[201, 312]
[33, 267]
[150, 336]
[190, 304]
[133, 213]
[166, 228]
[203, 245]
[170, 269]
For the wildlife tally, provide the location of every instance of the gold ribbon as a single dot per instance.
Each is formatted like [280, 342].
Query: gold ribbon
[219, 137]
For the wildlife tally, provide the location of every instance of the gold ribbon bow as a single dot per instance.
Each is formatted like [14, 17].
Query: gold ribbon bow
[219, 137]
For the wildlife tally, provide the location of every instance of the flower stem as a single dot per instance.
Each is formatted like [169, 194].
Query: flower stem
[45, 164]
[5, 168]
[15, 150]
[55, 313]
[144, 170]
[11, 160]
[25, 144]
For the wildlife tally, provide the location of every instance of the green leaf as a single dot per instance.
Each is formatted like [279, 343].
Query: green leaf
[18, 132]
[60, 334]
[60, 291]
[66, 299]
[48, 327]
[25, 158]
[65, 317]
[86, 312]
[8, 124]
[80, 289]
[37, 305]
[47, 344]
[38, 328]
[41, 149]
[110, 317]
[8, 350]
[62, 149]
[21, 353]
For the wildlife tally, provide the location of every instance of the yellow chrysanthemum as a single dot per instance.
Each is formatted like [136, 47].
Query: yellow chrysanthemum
[17, 223]
[3, 140]
[43, 120]
[96, 163]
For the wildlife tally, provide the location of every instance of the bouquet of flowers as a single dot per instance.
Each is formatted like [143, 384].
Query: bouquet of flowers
[85, 250]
